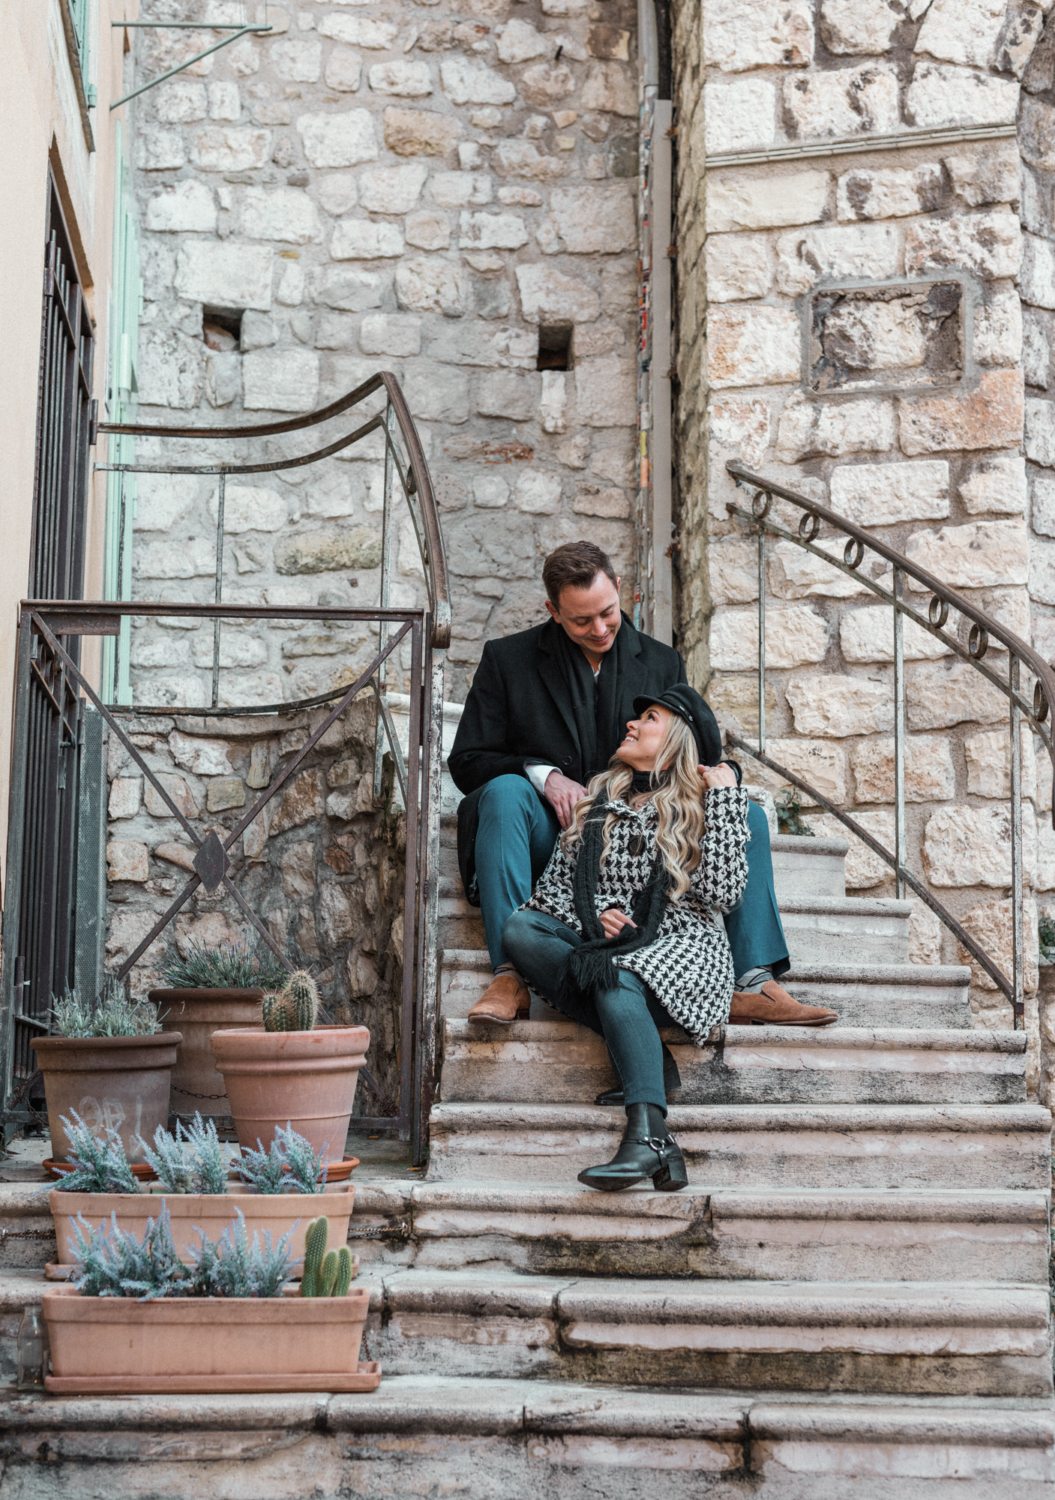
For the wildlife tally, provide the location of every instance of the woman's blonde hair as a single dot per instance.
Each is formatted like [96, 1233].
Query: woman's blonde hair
[677, 794]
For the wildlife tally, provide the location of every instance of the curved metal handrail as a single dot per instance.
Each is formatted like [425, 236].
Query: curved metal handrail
[983, 629]
[415, 479]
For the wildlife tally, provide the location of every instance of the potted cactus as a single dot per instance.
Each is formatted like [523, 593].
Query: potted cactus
[110, 1063]
[275, 1190]
[138, 1319]
[292, 1071]
[210, 988]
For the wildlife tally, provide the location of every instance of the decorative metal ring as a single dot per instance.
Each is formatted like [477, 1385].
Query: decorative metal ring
[978, 642]
[809, 525]
[937, 612]
[1040, 703]
[853, 552]
[760, 504]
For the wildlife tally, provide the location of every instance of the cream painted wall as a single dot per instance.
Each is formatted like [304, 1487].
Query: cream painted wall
[40, 122]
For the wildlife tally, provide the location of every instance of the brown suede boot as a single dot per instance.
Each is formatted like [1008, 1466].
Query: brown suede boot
[505, 1000]
[773, 1006]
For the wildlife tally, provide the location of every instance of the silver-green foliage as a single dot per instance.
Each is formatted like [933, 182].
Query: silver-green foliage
[266, 1170]
[99, 1163]
[192, 1160]
[295, 1007]
[115, 1263]
[226, 966]
[113, 1013]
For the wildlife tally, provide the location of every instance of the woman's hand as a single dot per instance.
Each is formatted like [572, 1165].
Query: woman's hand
[720, 775]
[613, 921]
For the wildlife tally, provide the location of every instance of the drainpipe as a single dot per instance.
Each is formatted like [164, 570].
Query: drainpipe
[653, 598]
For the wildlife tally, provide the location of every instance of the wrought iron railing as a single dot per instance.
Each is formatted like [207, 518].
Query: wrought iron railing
[45, 659]
[979, 629]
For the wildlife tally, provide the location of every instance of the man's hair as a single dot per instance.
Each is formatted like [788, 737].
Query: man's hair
[575, 565]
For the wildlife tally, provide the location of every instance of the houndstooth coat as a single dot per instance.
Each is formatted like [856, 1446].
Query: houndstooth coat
[689, 967]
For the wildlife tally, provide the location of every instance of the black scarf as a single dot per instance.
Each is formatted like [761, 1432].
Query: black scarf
[595, 702]
[590, 969]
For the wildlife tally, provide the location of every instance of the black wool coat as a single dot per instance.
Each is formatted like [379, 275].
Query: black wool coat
[519, 711]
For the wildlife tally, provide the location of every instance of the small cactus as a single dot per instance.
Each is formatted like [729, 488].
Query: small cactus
[344, 1272]
[328, 1274]
[314, 1249]
[295, 1007]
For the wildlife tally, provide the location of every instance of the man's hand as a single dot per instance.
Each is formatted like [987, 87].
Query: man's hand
[720, 775]
[613, 921]
[562, 794]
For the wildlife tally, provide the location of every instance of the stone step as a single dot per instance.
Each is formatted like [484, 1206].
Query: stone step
[904, 1338]
[505, 1439]
[557, 1061]
[784, 1146]
[727, 1233]
[904, 995]
[804, 866]
[825, 929]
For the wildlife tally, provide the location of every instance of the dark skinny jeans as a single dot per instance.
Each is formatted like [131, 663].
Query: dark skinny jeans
[628, 1016]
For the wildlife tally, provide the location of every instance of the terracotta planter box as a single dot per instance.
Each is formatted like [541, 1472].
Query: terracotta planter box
[119, 1346]
[210, 1212]
[306, 1078]
[117, 1082]
[196, 1014]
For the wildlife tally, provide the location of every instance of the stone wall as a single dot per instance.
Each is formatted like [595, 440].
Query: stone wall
[851, 324]
[320, 866]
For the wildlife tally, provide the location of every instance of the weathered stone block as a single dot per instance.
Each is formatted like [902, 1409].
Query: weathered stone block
[990, 416]
[965, 846]
[203, 757]
[537, 492]
[126, 861]
[593, 219]
[742, 34]
[738, 267]
[887, 494]
[738, 696]
[482, 231]
[743, 202]
[757, 345]
[460, 189]
[301, 802]
[606, 391]
[519, 42]
[197, 559]
[990, 924]
[329, 551]
[225, 793]
[545, 84]
[431, 285]
[1040, 432]
[230, 149]
[848, 101]
[986, 173]
[420, 132]
[410, 80]
[810, 429]
[466, 81]
[834, 707]
[961, 31]
[988, 757]
[867, 635]
[297, 59]
[592, 500]
[805, 256]
[180, 101]
[523, 159]
[1037, 133]
[250, 508]
[286, 380]
[929, 775]
[989, 243]
[160, 150]
[740, 116]
[224, 273]
[437, 393]
[938, 695]
[477, 548]
[864, 868]
[941, 95]
[178, 791]
[611, 87]
[344, 70]
[733, 570]
[125, 795]
[889, 192]
[818, 762]
[978, 555]
[342, 140]
[998, 329]
[508, 393]
[1038, 271]
[363, 239]
[187, 206]
[392, 190]
[795, 636]
[359, 31]
[284, 214]
[850, 26]
[548, 296]
[390, 333]
[490, 491]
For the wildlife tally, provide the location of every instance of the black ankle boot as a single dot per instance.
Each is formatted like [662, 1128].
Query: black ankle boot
[647, 1150]
[671, 1081]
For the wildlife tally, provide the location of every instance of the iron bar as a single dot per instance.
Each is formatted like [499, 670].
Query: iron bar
[206, 52]
[432, 791]
[393, 740]
[899, 741]
[273, 466]
[220, 496]
[384, 596]
[761, 638]
[409, 1036]
[1017, 903]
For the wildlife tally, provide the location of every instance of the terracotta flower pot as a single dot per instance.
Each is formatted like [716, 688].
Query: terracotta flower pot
[305, 1078]
[196, 1014]
[210, 1212]
[200, 1344]
[119, 1083]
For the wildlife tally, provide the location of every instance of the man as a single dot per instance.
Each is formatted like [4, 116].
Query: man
[545, 713]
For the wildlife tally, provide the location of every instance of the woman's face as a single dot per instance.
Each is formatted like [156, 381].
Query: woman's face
[644, 737]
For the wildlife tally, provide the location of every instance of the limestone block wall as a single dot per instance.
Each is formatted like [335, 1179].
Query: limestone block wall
[434, 189]
[852, 324]
[320, 866]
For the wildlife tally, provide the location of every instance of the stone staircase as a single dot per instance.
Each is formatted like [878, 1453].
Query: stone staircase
[850, 1299]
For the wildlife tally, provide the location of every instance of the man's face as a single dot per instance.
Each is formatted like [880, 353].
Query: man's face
[590, 615]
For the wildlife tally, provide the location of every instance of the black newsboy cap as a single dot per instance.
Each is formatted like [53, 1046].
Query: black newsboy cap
[688, 704]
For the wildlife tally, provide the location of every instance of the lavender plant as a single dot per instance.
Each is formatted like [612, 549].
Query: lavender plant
[226, 966]
[234, 1266]
[266, 1170]
[113, 1013]
[190, 1161]
[99, 1164]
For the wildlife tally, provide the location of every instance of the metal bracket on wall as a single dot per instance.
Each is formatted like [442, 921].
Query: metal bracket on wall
[236, 32]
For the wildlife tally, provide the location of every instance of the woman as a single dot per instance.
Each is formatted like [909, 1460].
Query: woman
[623, 931]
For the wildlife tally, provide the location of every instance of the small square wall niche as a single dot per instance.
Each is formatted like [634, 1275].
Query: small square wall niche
[904, 336]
